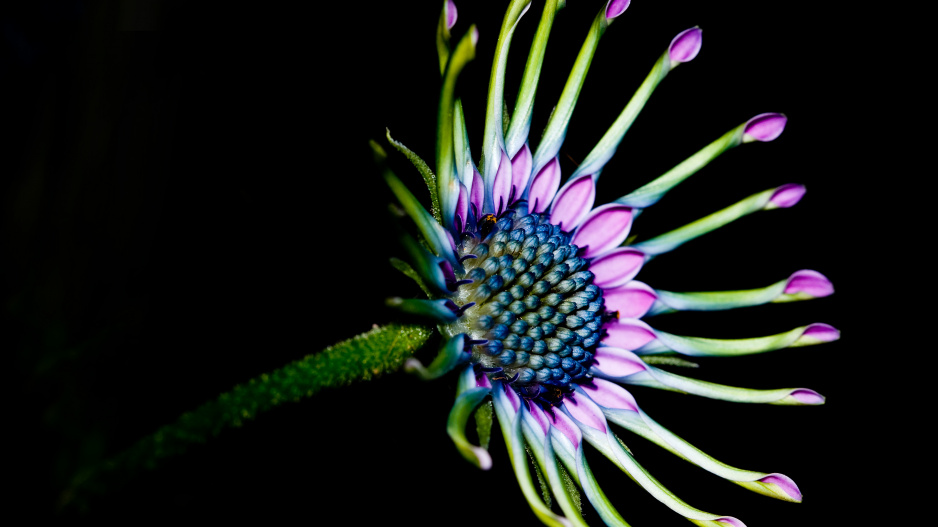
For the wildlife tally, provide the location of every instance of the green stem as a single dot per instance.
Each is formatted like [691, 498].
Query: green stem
[366, 356]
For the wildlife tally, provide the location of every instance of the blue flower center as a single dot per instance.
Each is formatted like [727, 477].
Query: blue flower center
[535, 305]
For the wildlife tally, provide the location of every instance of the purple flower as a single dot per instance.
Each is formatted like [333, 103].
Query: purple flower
[533, 287]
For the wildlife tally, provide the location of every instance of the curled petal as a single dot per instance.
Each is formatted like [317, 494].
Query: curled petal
[764, 127]
[816, 333]
[456, 427]
[617, 267]
[606, 227]
[685, 46]
[699, 346]
[451, 354]
[632, 300]
[462, 209]
[451, 14]
[544, 186]
[477, 193]
[573, 203]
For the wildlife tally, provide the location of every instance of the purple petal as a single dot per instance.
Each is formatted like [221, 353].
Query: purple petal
[610, 395]
[729, 520]
[512, 397]
[450, 14]
[573, 202]
[544, 186]
[806, 396]
[810, 282]
[605, 228]
[462, 208]
[615, 8]
[520, 171]
[477, 193]
[482, 381]
[631, 300]
[501, 186]
[685, 46]
[628, 334]
[539, 416]
[822, 332]
[585, 411]
[616, 362]
[567, 427]
[617, 267]
[787, 195]
[765, 126]
[784, 483]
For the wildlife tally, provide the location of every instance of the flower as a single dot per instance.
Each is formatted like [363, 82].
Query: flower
[533, 284]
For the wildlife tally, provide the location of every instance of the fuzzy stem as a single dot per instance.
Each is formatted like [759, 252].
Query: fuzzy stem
[366, 356]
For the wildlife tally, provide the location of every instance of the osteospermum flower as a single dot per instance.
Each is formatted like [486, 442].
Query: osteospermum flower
[533, 284]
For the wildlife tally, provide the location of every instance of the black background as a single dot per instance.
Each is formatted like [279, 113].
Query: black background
[190, 202]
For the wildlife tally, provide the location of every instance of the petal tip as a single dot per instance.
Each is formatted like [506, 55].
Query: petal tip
[809, 282]
[686, 45]
[616, 7]
[807, 397]
[783, 487]
[451, 14]
[764, 127]
[821, 332]
[786, 196]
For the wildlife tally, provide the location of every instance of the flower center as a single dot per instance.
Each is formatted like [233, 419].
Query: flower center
[535, 306]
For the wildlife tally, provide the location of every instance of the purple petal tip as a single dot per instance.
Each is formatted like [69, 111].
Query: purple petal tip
[616, 7]
[451, 14]
[787, 195]
[785, 484]
[766, 126]
[729, 520]
[685, 46]
[806, 396]
[809, 282]
[822, 332]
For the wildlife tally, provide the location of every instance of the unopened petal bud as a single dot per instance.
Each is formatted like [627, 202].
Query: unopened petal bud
[786, 196]
[616, 7]
[685, 46]
[764, 127]
[808, 283]
[451, 14]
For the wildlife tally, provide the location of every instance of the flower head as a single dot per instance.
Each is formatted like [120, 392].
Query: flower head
[533, 283]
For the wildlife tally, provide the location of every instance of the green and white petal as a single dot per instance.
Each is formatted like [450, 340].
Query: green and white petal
[780, 197]
[801, 285]
[507, 408]
[650, 193]
[620, 407]
[589, 417]
[452, 354]
[465, 403]
[625, 367]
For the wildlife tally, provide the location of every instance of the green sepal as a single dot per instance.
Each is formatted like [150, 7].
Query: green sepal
[435, 310]
[428, 176]
[483, 419]
[409, 272]
[438, 238]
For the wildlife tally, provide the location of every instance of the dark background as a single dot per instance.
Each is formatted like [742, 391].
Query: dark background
[189, 201]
